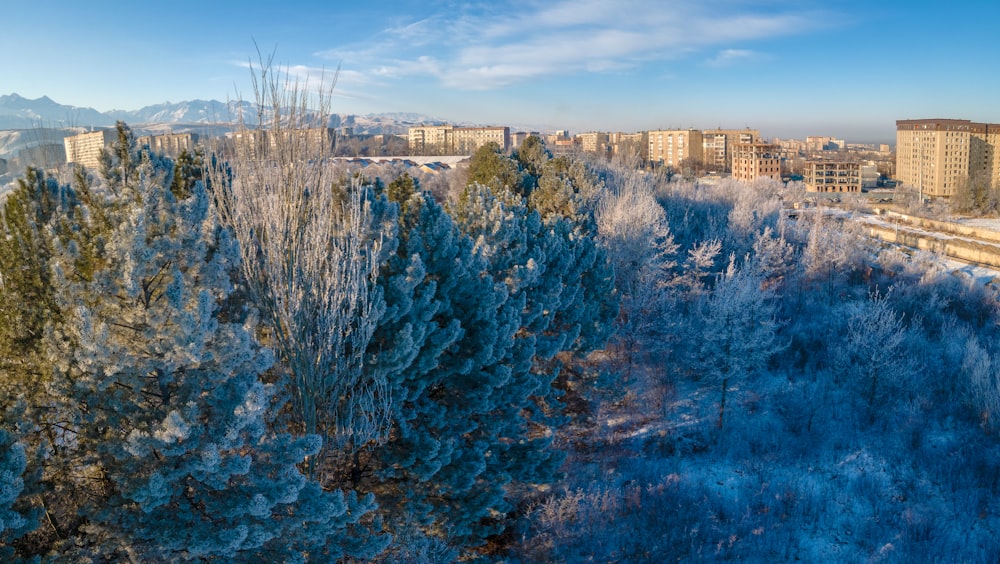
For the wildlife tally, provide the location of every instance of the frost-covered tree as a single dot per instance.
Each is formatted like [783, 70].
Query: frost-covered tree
[26, 300]
[438, 343]
[567, 187]
[739, 330]
[166, 444]
[983, 384]
[505, 442]
[13, 523]
[875, 354]
[310, 253]
[632, 226]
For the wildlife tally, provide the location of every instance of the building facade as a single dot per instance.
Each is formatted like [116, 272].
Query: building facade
[85, 149]
[829, 176]
[756, 160]
[718, 144]
[675, 147]
[172, 144]
[465, 140]
[444, 139]
[984, 142]
[934, 156]
[593, 142]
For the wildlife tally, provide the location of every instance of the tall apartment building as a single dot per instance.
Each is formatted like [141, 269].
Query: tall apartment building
[85, 149]
[593, 142]
[172, 144]
[630, 144]
[465, 140]
[314, 141]
[429, 137]
[718, 144]
[756, 160]
[827, 176]
[984, 160]
[459, 140]
[936, 156]
[675, 147]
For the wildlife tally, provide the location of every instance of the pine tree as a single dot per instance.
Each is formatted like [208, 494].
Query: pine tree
[490, 167]
[13, 523]
[168, 442]
[437, 339]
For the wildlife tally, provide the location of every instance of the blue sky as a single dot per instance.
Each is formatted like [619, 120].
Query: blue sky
[790, 68]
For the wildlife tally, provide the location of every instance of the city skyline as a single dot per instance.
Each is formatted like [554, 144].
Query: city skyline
[790, 69]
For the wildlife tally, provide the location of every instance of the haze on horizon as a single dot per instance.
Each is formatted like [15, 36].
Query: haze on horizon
[789, 68]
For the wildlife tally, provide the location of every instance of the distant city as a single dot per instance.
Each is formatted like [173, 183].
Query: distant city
[935, 157]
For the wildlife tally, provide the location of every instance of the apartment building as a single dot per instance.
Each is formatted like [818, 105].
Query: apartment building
[172, 144]
[984, 144]
[828, 176]
[429, 137]
[315, 141]
[718, 144]
[458, 140]
[756, 160]
[674, 147]
[519, 137]
[465, 140]
[631, 145]
[935, 155]
[593, 142]
[817, 143]
[85, 149]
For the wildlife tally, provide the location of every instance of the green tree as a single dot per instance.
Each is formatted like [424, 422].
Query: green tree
[437, 342]
[531, 157]
[490, 167]
[164, 446]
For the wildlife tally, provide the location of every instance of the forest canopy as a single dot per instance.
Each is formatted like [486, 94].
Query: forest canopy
[542, 358]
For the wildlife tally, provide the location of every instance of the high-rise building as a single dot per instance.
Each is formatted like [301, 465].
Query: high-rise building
[933, 155]
[593, 142]
[756, 160]
[718, 144]
[675, 147]
[938, 156]
[984, 160]
[85, 149]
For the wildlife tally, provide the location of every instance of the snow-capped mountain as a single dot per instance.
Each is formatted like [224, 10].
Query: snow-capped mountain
[17, 112]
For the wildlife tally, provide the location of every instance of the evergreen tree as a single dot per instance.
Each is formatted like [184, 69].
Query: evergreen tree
[167, 442]
[531, 157]
[438, 340]
[13, 523]
[541, 270]
[490, 167]
[26, 300]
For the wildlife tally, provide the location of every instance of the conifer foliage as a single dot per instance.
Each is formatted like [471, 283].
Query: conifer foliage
[165, 446]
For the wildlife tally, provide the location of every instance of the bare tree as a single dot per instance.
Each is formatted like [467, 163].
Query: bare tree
[875, 351]
[310, 256]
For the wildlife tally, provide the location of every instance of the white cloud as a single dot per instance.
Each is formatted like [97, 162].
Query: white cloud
[729, 57]
[484, 48]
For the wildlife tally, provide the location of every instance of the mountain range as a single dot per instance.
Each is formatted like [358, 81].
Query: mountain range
[18, 112]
